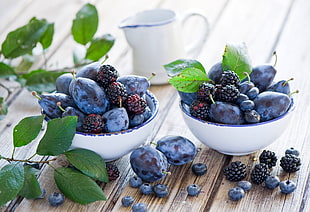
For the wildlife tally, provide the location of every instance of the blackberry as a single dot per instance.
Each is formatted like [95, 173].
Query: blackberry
[227, 93]
[290, 163]
[92, 123]
[199, 109]
[260, 173]
[230, 78]
[269, 158]
[235, 171]
[116, 93]
[135, 104]
[106, 75]
[112, 171]
[204, 92]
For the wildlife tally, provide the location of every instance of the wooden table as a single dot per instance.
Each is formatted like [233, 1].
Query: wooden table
[265, 26]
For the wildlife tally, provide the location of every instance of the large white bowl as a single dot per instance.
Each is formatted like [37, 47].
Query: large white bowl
[236, 139]
[111, 146]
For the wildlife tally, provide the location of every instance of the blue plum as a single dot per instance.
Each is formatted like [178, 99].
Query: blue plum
[148, 163]
[115, 120]
[178, 149]
[89, 97]
[270, 104]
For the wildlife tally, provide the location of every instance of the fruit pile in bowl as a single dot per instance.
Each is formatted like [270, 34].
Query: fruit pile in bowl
[115, 114]
[233, 108]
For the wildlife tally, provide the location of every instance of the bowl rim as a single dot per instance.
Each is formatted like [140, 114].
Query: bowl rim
[155, 112]
[288, 112]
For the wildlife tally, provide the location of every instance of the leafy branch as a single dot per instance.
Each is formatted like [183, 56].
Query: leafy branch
[187, 75]
[79, 186]
[20, 44]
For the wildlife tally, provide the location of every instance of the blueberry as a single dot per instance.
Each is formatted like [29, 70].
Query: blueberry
[247, 105]
[135, 182]
[193, 189]
[287, 186]
[178, 150]
[245, 86]
[160, 190]
[146, 188]
[56, 199]
[251, 117]
[245, 185]
[242, 97]
[272, 182]
[253, 93]
[199, 169]
[292, 151]
[236, 193]
[139, 207]
[127, 201]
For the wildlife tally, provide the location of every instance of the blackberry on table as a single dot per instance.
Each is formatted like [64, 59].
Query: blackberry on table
[116, 93]
[204, 92]
[235, 171]
[230, 78]
[199, 109]
[227, 93]
[106, 75]
[269, 158]
[135, 104]
[260, 173]
[112, 170]
[290, 163]
[92, 123]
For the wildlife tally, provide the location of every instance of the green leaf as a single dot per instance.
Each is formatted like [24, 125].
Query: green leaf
[41, 80]
[100, 47]
[85, 24]
[88, 162]
[47, 38]
[58, 136]
[236, 58]
[189, 80]
[3, 108]
[176, 67]
[27, 130]
[22, 40]
[77, 186]
[31, 188]
[12, 180]
[6, 70]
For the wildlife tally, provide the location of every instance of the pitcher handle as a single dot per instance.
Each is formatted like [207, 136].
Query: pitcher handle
[195, 47]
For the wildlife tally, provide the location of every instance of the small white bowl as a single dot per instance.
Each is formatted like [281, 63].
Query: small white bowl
[236, 139]
[111, 146]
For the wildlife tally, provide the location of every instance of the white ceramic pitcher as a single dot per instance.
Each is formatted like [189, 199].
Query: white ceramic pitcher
[155, 37]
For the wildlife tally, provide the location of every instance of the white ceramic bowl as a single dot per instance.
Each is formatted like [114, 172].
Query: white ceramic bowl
[236, 139]
[111, 146]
